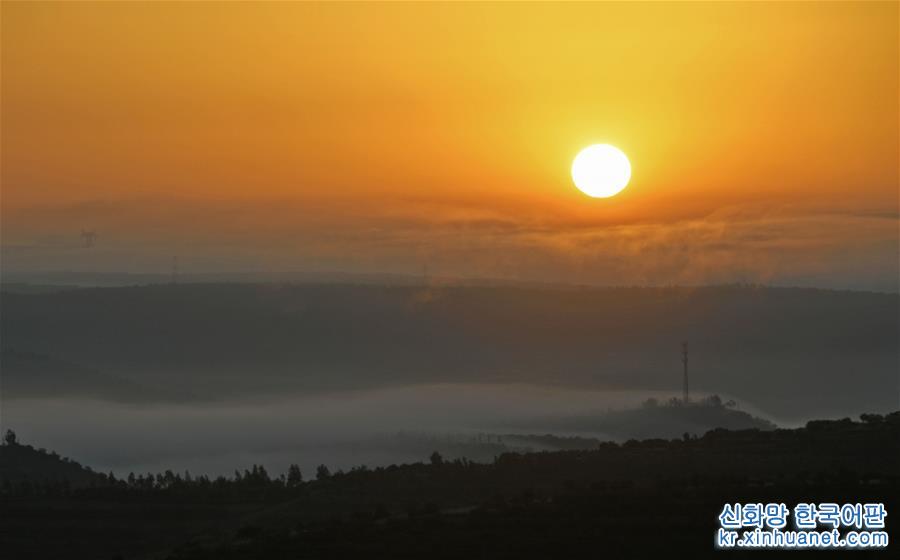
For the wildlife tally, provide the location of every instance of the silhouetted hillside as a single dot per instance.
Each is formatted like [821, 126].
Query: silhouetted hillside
[23, 464]
[779, 349]
[533, 505]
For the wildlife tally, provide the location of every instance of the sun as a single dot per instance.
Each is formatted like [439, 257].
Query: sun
[601, 171]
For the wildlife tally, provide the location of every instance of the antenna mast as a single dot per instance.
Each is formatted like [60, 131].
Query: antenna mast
[684, 360]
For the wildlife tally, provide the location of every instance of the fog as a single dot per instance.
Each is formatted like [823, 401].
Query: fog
[216, 377]
[341, 430]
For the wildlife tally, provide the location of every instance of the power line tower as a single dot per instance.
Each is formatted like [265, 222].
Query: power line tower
[89, 237]
[684, 360]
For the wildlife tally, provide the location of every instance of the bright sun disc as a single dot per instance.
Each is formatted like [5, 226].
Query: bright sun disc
[601, 170]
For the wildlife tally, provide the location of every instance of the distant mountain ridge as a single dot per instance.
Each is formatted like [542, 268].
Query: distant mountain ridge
[666, 420]
[779, 349]
[26, 374]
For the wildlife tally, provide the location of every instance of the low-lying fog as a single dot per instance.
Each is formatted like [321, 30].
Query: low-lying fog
[340, 430]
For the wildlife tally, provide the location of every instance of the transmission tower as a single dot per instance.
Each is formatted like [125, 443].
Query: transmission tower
[89, 238]
[684, 360]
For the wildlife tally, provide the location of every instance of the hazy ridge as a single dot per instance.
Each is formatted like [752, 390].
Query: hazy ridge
[780, 349]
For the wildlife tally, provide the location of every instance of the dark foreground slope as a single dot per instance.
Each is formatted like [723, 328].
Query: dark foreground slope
[786, 351]
[649, 499]
[24, 468]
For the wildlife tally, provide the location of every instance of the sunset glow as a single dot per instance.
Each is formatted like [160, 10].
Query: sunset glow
[301, 136]
[385, 280]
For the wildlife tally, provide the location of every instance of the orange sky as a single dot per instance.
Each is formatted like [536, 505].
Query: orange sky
[373, 137]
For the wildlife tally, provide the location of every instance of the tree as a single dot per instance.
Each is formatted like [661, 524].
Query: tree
[294, 477]
[436, 459]
[322, 472]
[10, 438]
[871, 418]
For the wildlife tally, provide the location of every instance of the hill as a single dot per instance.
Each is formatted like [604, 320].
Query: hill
[531, 505]
[669, 419]
[29, 375]
[23, 464]
[781, 350]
